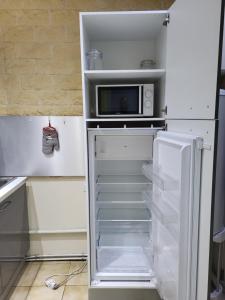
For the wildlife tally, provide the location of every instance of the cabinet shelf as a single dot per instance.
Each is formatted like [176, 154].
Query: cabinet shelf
[125, 120]
[153, 74]
[122, 179]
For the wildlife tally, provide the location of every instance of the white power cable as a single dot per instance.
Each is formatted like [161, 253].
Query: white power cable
[52, 284]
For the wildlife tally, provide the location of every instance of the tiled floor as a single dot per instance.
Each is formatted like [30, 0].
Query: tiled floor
[32, 287]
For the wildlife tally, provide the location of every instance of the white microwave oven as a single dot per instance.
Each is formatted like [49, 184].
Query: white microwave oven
[125, 100]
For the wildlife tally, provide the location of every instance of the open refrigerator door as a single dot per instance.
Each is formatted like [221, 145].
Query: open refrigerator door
[175, 213]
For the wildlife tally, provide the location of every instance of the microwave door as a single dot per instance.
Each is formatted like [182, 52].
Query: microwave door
[118, 101]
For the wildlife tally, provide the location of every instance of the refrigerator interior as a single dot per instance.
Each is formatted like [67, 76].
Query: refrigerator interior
[122, 208]
[123, 218]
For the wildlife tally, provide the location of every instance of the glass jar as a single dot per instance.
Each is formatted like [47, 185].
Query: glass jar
[147, 64]
[94, 59]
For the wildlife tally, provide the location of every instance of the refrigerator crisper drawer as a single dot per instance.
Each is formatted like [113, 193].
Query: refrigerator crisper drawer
[123, 259]
[125, 147]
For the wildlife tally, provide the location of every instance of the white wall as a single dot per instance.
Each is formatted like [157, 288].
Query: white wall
[57, 215]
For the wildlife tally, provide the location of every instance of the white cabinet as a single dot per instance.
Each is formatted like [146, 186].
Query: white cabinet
[141, 212]
[192, 59]
[125, 39]
[146, 229]
[185, 52]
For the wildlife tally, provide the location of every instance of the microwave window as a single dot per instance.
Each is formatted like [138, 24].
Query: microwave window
[118, 100]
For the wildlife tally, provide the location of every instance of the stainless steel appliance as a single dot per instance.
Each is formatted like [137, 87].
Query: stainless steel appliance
[218, 239]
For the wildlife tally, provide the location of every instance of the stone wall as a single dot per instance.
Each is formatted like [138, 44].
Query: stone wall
[40, 55]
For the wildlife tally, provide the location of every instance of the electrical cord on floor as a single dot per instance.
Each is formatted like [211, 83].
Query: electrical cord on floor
[52, 284]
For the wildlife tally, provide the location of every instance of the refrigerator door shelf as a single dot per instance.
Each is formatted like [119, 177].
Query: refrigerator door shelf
[163, 181]
[163, 210]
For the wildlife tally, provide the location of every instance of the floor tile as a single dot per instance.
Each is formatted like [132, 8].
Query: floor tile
[75, 293]
[20, 293]
[80, 279]
[44, 293]
[51, 268]
[29, 274]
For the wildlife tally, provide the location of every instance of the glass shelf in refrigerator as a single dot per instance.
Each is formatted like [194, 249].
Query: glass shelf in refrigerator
[126, 239]
[107, 227]
[124, 214]
[122, 179]
[120, 197]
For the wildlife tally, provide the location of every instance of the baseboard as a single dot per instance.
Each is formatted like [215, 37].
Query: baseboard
[56, 257]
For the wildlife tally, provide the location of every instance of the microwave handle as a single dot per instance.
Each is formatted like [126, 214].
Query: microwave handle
[140, 98]
[96, 100]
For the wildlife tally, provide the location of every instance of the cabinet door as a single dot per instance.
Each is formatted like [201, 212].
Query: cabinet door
[192, 59]
[175, 209]
[14, 238]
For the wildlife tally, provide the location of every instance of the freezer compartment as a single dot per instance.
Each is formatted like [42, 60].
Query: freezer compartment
[124, 147]
[123, 259]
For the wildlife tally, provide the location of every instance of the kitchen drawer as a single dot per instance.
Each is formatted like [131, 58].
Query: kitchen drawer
[124, 147]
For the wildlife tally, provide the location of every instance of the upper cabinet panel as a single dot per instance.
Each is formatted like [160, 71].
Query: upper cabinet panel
[192, 59]
[124, 38]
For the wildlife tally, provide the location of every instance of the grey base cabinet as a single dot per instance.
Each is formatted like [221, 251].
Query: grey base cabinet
[14, 238]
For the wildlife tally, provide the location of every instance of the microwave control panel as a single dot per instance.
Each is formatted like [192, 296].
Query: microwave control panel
[148, 99]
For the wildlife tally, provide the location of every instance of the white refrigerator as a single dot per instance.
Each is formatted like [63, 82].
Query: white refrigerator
[144, 196]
